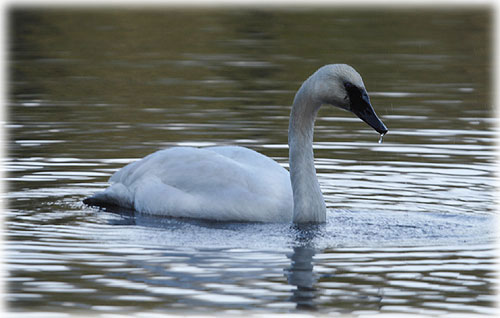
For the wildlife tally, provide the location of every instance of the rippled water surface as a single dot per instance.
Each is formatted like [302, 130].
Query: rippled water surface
[410, 222]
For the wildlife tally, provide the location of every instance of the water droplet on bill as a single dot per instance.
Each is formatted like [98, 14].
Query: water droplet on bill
[381, 139]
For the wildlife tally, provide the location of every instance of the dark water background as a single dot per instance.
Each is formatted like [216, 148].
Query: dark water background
[411, 224]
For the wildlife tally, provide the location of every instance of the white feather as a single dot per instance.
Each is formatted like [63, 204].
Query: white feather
[219, 183]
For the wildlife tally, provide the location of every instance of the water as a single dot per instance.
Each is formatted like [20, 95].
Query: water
[410, 223]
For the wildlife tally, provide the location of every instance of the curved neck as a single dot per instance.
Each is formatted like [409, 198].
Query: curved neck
[308, 202]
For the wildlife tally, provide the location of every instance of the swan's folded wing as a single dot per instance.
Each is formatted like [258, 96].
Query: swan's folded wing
[230, 183]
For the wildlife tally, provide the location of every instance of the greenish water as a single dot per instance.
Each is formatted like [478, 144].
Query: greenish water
[411, 221]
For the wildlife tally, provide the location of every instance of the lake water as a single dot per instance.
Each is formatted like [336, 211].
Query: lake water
[411, 224]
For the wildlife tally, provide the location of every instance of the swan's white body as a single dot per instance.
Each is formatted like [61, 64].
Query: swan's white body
[220, 183]
[238, 184]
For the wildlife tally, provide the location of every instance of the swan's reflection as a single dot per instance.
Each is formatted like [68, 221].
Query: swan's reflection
[300, 273]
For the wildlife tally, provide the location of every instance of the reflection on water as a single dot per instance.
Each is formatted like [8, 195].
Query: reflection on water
[410, 222]
[300, 273]
[302, 276]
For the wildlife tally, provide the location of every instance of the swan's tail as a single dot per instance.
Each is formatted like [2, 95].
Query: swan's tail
[116, 196]
[100, 200]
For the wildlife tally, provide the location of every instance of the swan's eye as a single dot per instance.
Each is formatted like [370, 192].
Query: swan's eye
[357, 96]
[352, 89]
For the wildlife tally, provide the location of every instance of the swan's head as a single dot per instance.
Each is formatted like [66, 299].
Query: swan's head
[341, 86]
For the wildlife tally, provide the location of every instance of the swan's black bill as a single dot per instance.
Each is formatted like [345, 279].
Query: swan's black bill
[361, 107]
[368, 116]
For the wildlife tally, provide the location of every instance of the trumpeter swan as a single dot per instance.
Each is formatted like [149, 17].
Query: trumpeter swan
[238, 184]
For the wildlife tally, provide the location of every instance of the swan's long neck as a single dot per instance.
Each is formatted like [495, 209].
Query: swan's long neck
[308, 202]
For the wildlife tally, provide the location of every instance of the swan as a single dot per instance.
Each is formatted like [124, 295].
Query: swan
[232, 183]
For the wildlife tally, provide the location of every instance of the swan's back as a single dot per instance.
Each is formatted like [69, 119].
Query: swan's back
[219, 183]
